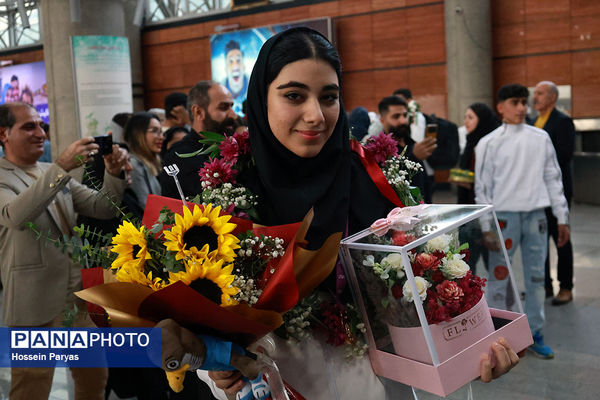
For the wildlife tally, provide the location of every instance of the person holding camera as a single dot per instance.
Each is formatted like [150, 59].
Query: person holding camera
[39, 280]
[144, 136]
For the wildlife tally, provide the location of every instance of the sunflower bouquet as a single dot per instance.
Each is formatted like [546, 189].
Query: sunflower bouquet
[198, 249]
[209, 271]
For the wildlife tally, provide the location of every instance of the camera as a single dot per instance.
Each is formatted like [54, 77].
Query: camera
[105, 144]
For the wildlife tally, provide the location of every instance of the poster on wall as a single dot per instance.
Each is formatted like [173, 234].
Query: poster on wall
[233, 54]
[102, 71]
[26, 83]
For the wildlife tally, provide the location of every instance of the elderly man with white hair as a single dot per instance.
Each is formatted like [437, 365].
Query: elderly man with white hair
[562, 132]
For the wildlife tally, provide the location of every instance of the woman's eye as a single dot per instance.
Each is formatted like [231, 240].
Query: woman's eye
[292, 96]
[330, 98]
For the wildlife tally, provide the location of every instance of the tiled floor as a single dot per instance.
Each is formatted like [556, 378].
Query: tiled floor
[571, 330]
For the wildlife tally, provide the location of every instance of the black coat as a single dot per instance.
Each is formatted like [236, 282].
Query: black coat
[562, 132]
[188, 167]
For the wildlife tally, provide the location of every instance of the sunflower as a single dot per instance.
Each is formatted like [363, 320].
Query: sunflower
[202, 234]
[131, 247]
[209, 279]
[136, 275]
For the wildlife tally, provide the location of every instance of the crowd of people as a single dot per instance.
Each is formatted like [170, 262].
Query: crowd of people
[300, 138]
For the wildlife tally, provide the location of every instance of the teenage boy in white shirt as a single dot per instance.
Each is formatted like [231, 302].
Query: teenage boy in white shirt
[517, 171]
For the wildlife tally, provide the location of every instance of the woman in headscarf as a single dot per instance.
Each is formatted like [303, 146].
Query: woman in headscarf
[480, 120]
[300, 143]
[359, 123]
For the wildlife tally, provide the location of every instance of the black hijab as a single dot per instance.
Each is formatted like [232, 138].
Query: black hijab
[289, 185]
[487, 123]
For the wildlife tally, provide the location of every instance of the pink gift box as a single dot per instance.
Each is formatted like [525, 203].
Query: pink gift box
[458, 347]
[449, 338]
[457, 371]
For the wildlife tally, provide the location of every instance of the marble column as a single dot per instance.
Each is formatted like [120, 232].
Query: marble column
[97, 17]
[468, 55]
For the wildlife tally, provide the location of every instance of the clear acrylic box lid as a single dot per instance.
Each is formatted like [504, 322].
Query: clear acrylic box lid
[431, 220]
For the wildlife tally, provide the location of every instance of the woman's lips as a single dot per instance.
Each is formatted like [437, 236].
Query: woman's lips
[310, 135]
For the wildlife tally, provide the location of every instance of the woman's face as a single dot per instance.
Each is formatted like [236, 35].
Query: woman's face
[154, 136]
[303, 106]
[471, 120]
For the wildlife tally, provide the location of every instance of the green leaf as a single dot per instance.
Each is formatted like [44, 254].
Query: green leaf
[385, 302]
[189, 155]
[210, 137]
[463, 246]
[79, 230]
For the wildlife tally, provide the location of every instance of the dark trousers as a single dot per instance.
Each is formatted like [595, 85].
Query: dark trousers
[429, 187]
[565, 256]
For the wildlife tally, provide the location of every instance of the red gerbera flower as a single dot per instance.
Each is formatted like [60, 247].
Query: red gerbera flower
[229, 149]
[216, 172]
[382, 146]
[243, 141]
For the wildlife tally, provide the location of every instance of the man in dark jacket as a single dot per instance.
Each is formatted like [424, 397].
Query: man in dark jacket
[210, 107]
[562, 132]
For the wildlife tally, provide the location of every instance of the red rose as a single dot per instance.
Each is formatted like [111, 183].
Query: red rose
[466, 253]
[397, 291]
[427, 261]
[400, 238]
[449, 291]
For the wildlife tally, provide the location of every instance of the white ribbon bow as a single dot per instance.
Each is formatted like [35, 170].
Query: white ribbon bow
[399, 218]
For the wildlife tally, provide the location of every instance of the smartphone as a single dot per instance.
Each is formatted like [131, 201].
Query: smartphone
[105, 144]
[431, 131]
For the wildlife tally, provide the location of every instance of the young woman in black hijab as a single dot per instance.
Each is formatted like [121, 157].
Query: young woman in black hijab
[300, 143]
[480, 120]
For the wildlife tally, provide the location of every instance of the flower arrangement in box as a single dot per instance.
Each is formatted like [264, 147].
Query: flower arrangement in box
[444, 280]
[446, 287]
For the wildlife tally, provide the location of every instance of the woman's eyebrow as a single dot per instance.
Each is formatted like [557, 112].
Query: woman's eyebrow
[293, 84]
[301, 85]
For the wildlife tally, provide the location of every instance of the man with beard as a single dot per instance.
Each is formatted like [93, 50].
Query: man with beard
[393, 113]
[237, 81]
[210, 107]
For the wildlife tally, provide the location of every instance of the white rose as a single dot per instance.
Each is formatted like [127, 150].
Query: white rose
[455, 267]
[422, 286]
[394, 261]
[439, 243]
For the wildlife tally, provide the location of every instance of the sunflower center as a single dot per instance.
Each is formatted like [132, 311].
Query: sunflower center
[198, 236]
[135, 250]
[208, 289]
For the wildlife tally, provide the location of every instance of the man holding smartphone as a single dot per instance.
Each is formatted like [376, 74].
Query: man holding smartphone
[39, 280]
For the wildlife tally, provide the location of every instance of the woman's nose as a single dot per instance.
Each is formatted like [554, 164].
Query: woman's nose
[312, 112]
